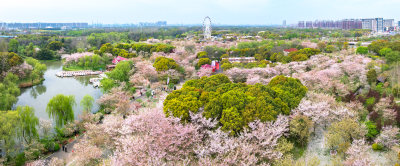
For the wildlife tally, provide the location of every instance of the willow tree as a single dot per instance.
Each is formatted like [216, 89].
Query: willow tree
[8, 92]
[8, 131]
[28, 123]
[60, 109]
[87, 103]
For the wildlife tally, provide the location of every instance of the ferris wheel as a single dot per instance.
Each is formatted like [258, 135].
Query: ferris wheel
[207, 28]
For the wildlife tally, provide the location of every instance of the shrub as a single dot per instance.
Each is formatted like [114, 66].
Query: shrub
[341, 134]
[380, 88]
[133, 90]
[372, 130]
[362, 50]
[20, 159]
[299, 57]
[56, 147]
[393, 56]
[50, 146]
[300, 129]
[370, 101]
[202, 54]
[377, 147]
[227, 66]
[330, 48]
[396, 90]
[385, 51]
[371, 76]
[225, 56]
[203, 61]
[164, 64]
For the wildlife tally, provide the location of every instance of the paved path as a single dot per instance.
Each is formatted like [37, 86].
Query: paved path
[61, 154]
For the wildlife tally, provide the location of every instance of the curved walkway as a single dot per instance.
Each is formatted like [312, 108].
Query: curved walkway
[61, 154]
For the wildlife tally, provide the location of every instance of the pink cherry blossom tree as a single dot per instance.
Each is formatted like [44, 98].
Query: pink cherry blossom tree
[357, 154]
[388, 136]
[150, 137]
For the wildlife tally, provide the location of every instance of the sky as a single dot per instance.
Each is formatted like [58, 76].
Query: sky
[232, 12]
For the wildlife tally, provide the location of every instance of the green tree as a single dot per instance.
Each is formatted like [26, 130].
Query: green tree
[30, 50]
[96, 61]
[3, 45]
[330, 48]
[38, 68]
[299, 57]
[289, 90]
[392, 57]
[121, 71]
[234, 105]
[345, 45]
[8, 92]
[300, 129]
[107, 84]
[321, 46]
[180, 102]
[203, 61]
[232, 121]
[13, 45]
[106, 48]
[377, 45]
[45, 54]
[227, 66]
[9, 123]
[87, 103]
[308, 51]
[362, 50]
[341, 134]
[371, 76]
[164, 64]
[55, 45]
[28, 123]
[372, 130]
[202, 54]
[385, 51]
[60, 108]
[14, 59]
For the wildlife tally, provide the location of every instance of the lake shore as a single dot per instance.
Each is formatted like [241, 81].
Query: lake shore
[28, 84]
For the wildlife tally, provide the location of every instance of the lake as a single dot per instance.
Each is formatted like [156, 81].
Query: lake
[38, 96]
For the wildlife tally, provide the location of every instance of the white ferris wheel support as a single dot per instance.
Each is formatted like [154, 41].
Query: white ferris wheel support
[207, 28]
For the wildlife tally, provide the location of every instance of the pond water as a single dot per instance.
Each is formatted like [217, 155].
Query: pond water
[38, 96]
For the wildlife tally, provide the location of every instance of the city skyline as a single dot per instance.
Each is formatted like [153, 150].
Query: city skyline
[258, 12]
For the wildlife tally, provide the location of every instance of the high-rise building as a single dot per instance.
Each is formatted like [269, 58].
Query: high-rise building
[153, 24]
[374, 24]
[388, 23]
[369, 23]
[379, 24]
[309, 24]
[351, 24]
[301, 24]
[284, 23]
[45, 25]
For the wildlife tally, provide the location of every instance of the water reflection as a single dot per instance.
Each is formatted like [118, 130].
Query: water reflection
[39, 95]
[37, 90]
[84, 80]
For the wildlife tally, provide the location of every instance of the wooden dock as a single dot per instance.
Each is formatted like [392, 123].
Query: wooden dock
[77, 73]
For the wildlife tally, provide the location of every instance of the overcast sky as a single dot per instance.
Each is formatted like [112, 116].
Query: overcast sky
[233, 12]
